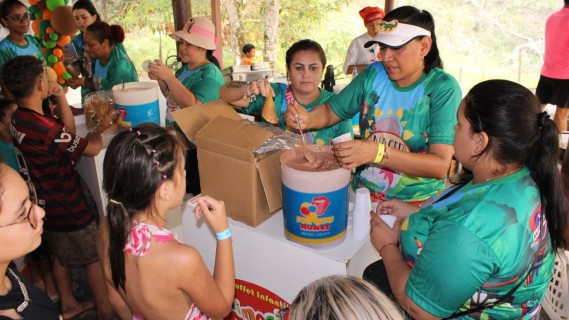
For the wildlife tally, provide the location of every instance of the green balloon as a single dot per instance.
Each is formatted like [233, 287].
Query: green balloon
[49, 44]
[44, 25]
[54, 4]
[38, 15]
[52, 59]
[34, 9]
[49, 52]
[66, 76]
[53, 36]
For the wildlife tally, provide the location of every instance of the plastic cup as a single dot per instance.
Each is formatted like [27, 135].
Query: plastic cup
[342, 138]
[360, 214]
[145, 65]
[389, 219]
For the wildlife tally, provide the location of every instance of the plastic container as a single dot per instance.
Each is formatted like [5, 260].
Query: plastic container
[137, 103]
[315, 203]
[556, 301]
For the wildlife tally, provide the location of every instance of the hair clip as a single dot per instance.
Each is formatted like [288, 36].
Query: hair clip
[137, 133]
[164, 176]
[153, 151]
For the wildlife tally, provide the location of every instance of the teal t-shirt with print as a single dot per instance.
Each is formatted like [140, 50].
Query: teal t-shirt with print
[10, 50]
[8, 155]
[408, 119]
[204, 82]
[475, 245]
[118, 69]
[320, 137]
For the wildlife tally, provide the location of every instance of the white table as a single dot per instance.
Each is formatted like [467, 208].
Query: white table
[265, 261]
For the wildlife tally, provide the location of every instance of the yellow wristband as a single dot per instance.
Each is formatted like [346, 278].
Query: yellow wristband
[380, 152]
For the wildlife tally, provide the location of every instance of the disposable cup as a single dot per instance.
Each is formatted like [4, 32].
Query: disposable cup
[342, 138]
[389, 219]
[145, 65]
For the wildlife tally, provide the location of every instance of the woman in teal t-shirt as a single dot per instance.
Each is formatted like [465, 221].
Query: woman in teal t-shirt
[112, 65]
[199, 78]
[492, 238]
[15, 17]
[305, 63]
[408, 106]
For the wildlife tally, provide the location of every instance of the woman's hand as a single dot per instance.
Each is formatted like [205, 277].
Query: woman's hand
[214, 212]
[396, 207]
[261, 86]
[354, 153]
[159, 71]
[381, 234]
[295, 110]
[75, 83]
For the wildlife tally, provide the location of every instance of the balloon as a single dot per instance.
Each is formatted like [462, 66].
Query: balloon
[51, 75]
[63, 22]
[66, 75]
[54, 4]
[63, 39]
[46, 14]
[49, 44]
[41, 4]
[48, 52]
[33, 9]
[60, 80]
[49, 30]
[32, 2]
[44, 24]
[38, 15]
[52, 59]
[59, 68]
[36, 26]
[53, 36]
[58, 52]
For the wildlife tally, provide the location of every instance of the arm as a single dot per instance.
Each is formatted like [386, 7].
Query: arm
[319, 117]
[65, 112]
[181, 94]
[94, 144]
[212, 295]
[237, 92]
[119, 305]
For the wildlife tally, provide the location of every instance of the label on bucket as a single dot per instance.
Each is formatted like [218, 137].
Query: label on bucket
[315, 218]
[133, 115]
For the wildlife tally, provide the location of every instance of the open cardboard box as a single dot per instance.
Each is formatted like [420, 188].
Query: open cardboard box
[229, 171]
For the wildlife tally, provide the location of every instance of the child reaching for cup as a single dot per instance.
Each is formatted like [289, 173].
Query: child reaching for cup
[138, 252]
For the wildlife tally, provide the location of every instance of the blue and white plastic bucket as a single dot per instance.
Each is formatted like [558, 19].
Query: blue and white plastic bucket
[137, 103]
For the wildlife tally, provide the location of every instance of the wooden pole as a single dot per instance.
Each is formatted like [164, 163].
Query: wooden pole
[388, 5]
[216, 19]
[182, 12]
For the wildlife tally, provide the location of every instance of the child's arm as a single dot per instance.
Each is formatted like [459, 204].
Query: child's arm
[65, 113]
[95, 144]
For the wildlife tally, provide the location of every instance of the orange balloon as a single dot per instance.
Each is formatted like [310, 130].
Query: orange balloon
[49, 30]
[46, 14]
[33, 2]
[63, 39]
[36, 26]
[60, 80]
[59, 68]
[58, 52]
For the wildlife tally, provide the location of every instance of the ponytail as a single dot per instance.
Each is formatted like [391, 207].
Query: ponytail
[545, 173]
[209, 55]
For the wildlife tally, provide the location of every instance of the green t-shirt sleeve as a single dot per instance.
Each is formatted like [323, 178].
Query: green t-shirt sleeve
[445, 99]
[350, 100]
[449, 271]
[207, 88]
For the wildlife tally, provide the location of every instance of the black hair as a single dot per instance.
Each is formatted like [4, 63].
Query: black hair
[305, 45]
[519, 133]
[209, 55]
[136, 163]
[4, 104]
[7, 5]
[248, 47]
[423, 19]
[103, 31]
[19, 75]
[88, 6]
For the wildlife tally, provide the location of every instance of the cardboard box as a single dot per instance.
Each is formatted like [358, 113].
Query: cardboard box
[229, 171]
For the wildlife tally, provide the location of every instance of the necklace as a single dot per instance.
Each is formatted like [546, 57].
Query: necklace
[502, 175]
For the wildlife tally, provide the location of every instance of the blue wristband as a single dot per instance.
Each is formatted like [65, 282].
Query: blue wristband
[225, 234]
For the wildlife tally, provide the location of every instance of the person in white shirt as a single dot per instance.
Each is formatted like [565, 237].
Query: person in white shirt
[358, 56]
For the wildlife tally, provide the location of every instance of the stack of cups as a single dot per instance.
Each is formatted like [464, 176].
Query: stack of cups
[360, 214]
